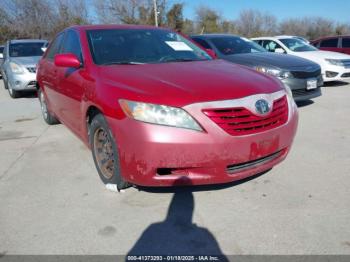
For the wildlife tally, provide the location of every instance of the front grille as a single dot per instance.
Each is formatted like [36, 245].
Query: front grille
[246, 165]
[346, 63]
[304, 92]
[239, 121]
[31, 83]
[306, 74]
[345, 75]
[31, 69]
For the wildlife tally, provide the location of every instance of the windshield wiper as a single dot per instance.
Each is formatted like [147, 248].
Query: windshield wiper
[123, 63]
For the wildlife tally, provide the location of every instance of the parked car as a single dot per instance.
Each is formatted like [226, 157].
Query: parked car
[339, 44]
[1, 57]
[302, 76]
[156, 110]
[335, 66]
[19, 66]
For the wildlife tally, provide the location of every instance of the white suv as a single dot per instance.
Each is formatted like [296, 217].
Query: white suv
[335, 66]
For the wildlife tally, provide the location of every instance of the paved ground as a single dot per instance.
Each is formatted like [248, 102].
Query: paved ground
[52, 201]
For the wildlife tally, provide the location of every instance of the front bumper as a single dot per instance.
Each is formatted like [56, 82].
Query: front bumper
[336, 73]
[154, 155]
[22, 82]
[299, 91]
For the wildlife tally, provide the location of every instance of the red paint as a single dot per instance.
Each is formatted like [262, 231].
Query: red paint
[341, 48]
[196, 157]
[67, 60]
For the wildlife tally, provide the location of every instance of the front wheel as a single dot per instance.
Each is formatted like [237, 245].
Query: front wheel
[13, 93]
[105, 153]
[48, 117]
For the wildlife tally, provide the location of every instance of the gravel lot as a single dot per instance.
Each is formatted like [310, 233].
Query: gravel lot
[52, 201]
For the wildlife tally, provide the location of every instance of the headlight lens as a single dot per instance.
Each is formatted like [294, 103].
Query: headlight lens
[15, 68]
[274, 72]
[159, 114]
[335, 62]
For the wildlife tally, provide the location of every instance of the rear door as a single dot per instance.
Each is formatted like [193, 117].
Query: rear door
[71, 84]
[345, 45]
[330, 44]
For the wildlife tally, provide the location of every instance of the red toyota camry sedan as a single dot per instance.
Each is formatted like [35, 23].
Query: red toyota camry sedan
[156, 110]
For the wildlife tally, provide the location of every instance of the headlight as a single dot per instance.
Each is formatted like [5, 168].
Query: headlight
[335, 62]
[159, 114]
[15, 68]
[274, 72]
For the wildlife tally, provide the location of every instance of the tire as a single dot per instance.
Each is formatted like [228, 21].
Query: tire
[105, 153]
[48, 117]
[12, 93]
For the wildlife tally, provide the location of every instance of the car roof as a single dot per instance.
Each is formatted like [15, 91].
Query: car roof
[114, 26]
[27, 41]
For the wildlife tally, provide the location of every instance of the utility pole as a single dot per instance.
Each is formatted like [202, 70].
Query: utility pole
[155, 12]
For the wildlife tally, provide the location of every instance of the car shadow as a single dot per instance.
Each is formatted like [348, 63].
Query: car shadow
[177, 235]
[335, 84]
[304, 103]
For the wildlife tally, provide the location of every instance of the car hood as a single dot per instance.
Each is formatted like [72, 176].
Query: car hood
[282, 61]
[321, 55]
[183, 83]
[26, 61]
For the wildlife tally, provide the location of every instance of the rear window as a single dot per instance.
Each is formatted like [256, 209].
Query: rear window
[346, 42]
[333, 42]
[26, 49]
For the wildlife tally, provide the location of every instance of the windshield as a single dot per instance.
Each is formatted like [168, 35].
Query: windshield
[139, 46]
[236, 45]
[26, 49]
[297, 45]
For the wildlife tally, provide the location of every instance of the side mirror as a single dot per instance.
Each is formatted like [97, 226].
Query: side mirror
[280, 51]
[67, 60]
[211, 53]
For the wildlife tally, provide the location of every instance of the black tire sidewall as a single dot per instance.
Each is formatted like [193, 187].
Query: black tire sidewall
[50, 119]
[100, 122]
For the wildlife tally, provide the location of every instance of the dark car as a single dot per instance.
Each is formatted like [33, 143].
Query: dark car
[339, 44]
[302, 76]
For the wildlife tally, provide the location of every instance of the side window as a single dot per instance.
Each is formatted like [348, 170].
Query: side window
[202, 42]
[72, 44]
[346, 42]
[271, 45]
[55, 47]
[333, 42]
[316, 44]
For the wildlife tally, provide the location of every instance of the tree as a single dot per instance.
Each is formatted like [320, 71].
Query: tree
[175, 18]
[252, 23]
[208, 20]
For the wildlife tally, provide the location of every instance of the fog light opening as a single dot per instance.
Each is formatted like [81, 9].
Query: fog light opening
[331, 74]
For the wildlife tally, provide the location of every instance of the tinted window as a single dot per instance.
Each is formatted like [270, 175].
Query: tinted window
[236, 45]
[119, 46]
[346, 42]
[1, 49]
[26, 49]
[297, 45]
[202, 42]
[54, 47]
[329, 42]
[71, 44]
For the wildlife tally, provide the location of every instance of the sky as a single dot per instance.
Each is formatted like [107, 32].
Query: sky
[338, 10]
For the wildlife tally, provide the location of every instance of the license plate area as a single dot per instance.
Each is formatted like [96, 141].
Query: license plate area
[311, 84]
